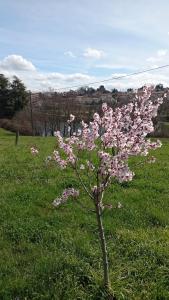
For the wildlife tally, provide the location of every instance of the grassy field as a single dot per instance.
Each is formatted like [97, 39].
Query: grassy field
[48, 253]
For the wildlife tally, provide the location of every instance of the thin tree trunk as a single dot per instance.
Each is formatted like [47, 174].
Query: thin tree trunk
[103, 247]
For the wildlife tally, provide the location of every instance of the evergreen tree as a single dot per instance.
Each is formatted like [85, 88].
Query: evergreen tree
[13, 96]
[4, 94]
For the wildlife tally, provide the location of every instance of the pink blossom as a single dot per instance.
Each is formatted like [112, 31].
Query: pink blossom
[79, 132]
[114, 137]
[97, 118]
[72, 117]
[34, 151]
[70, 192]
[151, 160]
[62, 163]
[104, 107]
[82, 167]
[119, 205]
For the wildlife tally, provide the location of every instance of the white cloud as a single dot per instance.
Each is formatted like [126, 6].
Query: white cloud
[162, 52]
[63, 77]
[59, 80]
[93, 53]
[70, 54]
[113, 66]
[39, 81]
[153, 59]
[135, 82]
[16, 63]
[154, 66]
[78, 76]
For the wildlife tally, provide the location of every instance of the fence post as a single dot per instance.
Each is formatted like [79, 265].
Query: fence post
[31, 114]
[16, 137]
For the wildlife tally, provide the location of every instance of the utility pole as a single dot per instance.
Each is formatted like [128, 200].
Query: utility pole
[31, 113]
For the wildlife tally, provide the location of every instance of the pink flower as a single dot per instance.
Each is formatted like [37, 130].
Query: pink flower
[72, 117]
[62, 163]
[97, 118]
[70, 192]
[119, 205]
[34, 151]
[104, 107]
[82, 167]
[79, 132]
[151, 160]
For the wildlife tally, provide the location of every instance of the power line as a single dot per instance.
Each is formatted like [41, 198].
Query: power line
[106, 80]
[115, 78]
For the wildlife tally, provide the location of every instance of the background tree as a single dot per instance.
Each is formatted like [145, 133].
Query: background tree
[159, 87]
[13, 96]
[129, 90]
[4, 94]
[114, 91]
[18, 94]
[82, 91]
[102, 89]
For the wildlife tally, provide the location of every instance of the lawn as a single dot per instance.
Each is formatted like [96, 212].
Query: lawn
[48, 253]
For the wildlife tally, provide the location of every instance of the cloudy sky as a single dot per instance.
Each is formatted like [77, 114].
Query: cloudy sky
[60, 43]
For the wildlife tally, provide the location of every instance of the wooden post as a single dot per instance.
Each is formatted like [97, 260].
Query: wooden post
[31, 114]
[17, 138]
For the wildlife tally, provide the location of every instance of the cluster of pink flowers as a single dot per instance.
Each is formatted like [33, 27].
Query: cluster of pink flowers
[34, 151]
[70, 192]
[61, 162]
[82, 167]
[115, 136]
[151, 160]
[115, 166]
[67, 148]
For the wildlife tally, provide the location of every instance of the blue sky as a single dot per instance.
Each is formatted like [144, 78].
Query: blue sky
[59, 43]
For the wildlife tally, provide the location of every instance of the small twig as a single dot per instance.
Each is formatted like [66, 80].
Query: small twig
[82, 183]
[88, 170]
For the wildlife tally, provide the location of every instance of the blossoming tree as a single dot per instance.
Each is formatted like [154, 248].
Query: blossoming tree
[111, 139]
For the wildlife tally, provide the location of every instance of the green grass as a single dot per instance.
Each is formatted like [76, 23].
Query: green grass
[48, 253]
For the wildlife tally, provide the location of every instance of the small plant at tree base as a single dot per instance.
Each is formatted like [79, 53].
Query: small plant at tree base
[109, 141]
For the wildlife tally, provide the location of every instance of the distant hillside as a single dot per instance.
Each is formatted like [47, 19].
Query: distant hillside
[49, 111]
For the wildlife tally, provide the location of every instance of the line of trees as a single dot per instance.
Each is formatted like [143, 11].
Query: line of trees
[43, 113]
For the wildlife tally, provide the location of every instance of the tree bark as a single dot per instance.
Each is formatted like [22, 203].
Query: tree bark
[103, 246]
